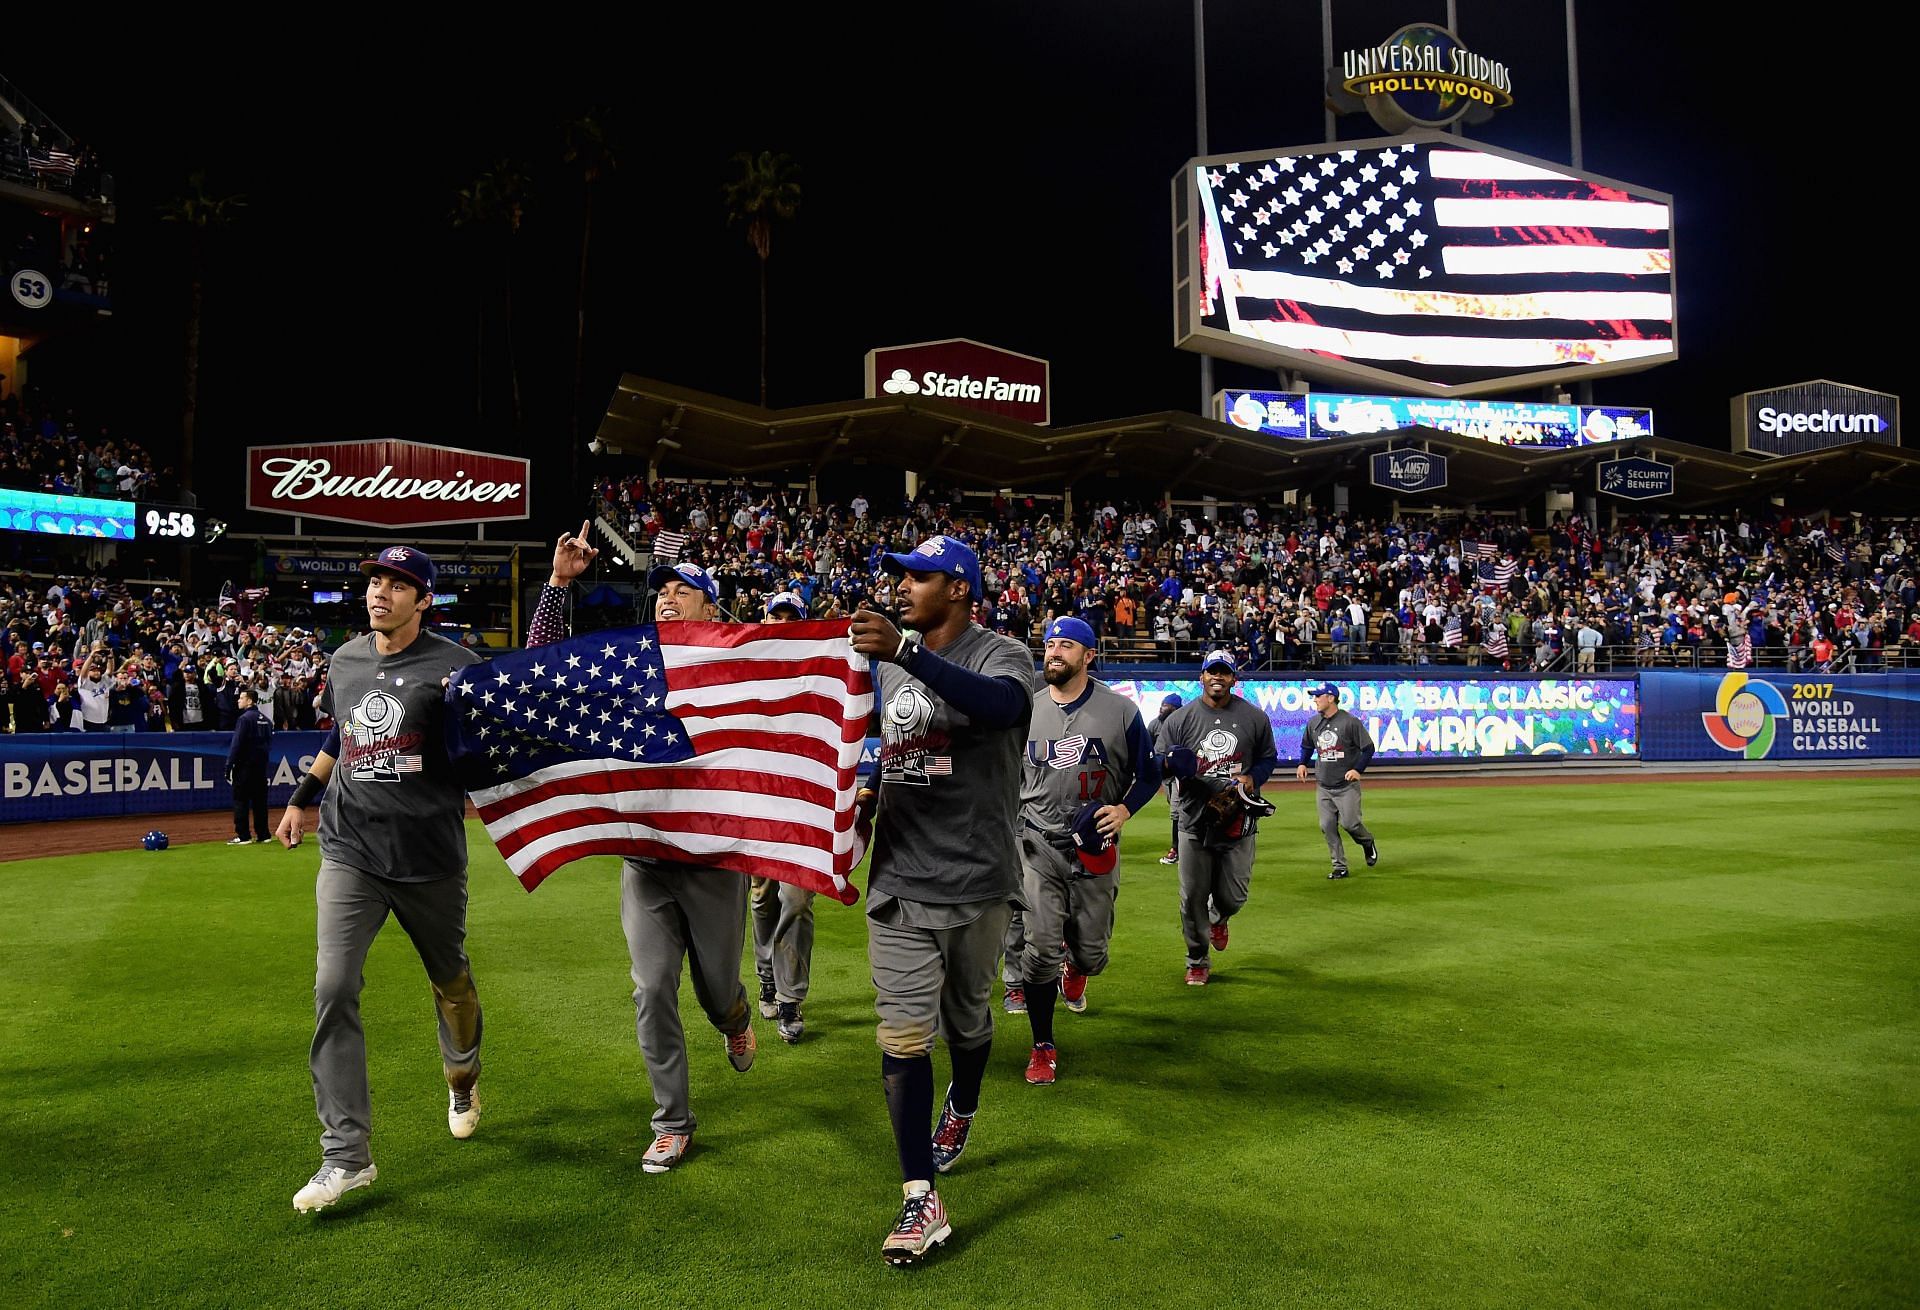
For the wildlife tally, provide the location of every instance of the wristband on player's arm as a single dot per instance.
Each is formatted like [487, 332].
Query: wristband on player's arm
[306, 792]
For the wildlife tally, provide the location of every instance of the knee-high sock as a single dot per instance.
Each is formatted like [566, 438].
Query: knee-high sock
[909, 1088]
[969, 1067]
[1040, 1009]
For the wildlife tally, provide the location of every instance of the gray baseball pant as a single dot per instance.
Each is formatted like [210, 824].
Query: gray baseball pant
[1213, 886]
[352, 907]
[930, 981]
[782, 937]
[672, 912]
[1341, 809]
[1064, 906]
[1013, 948]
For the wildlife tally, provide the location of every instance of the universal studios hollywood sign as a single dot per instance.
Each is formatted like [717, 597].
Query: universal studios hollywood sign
[1421, 76]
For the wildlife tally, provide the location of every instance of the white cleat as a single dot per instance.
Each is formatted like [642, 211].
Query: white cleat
[329, 1185]
[463, 1112]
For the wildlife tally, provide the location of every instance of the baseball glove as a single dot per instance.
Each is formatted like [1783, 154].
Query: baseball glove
[1232, 811]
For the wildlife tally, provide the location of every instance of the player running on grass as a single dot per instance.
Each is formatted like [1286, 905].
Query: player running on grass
[1216, 743]
[393, 841]
[953, 703]
[1345, 749]
[1089, 767]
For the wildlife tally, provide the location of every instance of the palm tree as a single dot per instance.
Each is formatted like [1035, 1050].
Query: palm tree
[590, 147]
[495, 202]
[200, 214]
[767, 189]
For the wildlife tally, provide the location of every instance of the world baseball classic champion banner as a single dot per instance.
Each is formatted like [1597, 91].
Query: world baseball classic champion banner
[1740, 716]
[1456, 719]
[89, 775]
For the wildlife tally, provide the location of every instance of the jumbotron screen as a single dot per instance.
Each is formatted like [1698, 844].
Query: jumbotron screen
[1444, 720]
[1428, 263]
[67, 516]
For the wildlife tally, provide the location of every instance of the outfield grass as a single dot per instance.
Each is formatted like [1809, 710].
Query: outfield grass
[1608, 1045]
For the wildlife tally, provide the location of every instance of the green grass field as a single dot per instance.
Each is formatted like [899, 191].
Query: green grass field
[1607, 1045]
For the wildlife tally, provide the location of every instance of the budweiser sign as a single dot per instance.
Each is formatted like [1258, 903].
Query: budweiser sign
[387, 484]
[966, 373]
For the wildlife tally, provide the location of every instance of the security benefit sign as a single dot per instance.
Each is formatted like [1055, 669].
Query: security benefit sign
[1634, 478]
[1738, 716]
[1409, 472]
[967, 373]
[101, 774]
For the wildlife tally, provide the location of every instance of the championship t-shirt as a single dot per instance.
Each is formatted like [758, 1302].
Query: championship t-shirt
[393, 807]
[1227, 741]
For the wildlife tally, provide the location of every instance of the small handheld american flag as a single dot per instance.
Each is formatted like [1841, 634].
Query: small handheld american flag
[734, 746]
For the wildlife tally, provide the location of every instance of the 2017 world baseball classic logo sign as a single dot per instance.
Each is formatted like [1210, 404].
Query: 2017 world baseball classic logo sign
[1745, 714]
[1689, 715]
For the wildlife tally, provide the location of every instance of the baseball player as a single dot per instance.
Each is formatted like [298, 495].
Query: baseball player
[1214, 744]
[1159, 730]
[670, 912]
[1345, 749]
[1089, 767]
[783, 912]
[393, 840]
[953, 701]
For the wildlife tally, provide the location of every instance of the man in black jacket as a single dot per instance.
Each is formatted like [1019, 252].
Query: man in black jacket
[247, 771]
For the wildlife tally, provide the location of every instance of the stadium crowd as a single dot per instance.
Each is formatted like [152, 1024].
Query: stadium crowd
[1302, 589]
[46, 446]
[90, 655]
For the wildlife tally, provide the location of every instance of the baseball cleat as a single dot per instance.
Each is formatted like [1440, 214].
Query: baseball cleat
[1338, 873]
[1073, 989]
[1015, 1001]
[1217, 934]
[1373, 852]
[791, 1025]
[1171, 857]
[950, 1135]
[769, 1003]
[666, 1152]
[740, 1048]
[238, 841]
[1044, 1065]
[1197, 975]
[329, 1185]
[463, 1111]
[922, 1225]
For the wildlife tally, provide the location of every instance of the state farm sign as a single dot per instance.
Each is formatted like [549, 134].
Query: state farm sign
[387, 484]
[966, 373]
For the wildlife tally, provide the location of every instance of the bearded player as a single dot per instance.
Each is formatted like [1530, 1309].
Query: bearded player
[1215, 743]
[1089, 768]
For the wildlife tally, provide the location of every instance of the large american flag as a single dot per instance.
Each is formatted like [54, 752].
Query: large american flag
[667, 547]
[1478, 550]
[1434, 259]
[734, 746]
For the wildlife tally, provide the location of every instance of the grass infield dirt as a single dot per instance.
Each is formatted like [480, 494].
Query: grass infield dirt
[1635, 1043]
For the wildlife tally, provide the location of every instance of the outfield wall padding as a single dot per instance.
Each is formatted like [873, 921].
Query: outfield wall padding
[1733, 716]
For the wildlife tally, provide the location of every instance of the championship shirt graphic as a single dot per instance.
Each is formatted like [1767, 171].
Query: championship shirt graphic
[1327, 742]
[1745, 716]
[1219, 751]
[909, 747]
[377, 751]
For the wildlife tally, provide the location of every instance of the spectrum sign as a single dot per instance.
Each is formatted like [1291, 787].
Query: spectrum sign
[1813, 415]
[1319, 415]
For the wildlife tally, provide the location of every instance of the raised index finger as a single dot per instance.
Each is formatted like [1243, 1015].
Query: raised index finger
[584, 525]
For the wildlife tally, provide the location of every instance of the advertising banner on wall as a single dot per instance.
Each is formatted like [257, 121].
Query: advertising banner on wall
[1811, 416]
[103, 774]
[1408, 471]
[965, 372]
[1735, 716]
[1321, 415]
[388, 484]
[1430, 722]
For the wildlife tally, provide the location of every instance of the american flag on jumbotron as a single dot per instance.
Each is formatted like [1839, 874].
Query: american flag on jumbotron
[1432, 258]
[667, 547]
[734, 746]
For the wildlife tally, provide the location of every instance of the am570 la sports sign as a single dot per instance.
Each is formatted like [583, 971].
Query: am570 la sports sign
[387, 484]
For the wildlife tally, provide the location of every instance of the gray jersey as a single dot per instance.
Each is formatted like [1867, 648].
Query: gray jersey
[949, 791]
[1076, 755]
[1228, 741]
[1336, 745]
[1158, 728]
[393, 807]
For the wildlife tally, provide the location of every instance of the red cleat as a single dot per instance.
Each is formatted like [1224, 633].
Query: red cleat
[1217, 934]
[1073, 989]
[1197, 975]
[1041, 1069]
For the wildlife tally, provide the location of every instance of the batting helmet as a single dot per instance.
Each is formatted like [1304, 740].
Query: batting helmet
[155, 840]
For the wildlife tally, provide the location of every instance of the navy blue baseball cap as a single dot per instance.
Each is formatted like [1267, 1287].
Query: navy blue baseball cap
[1098, 852]
[1071, 629]
[1218, 659]
[787, 600]
[1171, 703]
[939, 554]
[1324, 689]
[691, 574]
[406, 561]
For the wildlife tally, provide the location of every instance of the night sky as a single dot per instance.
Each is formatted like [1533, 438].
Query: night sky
[993, 170]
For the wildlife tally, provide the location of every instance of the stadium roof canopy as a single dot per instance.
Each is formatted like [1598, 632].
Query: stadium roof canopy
[694, 432]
